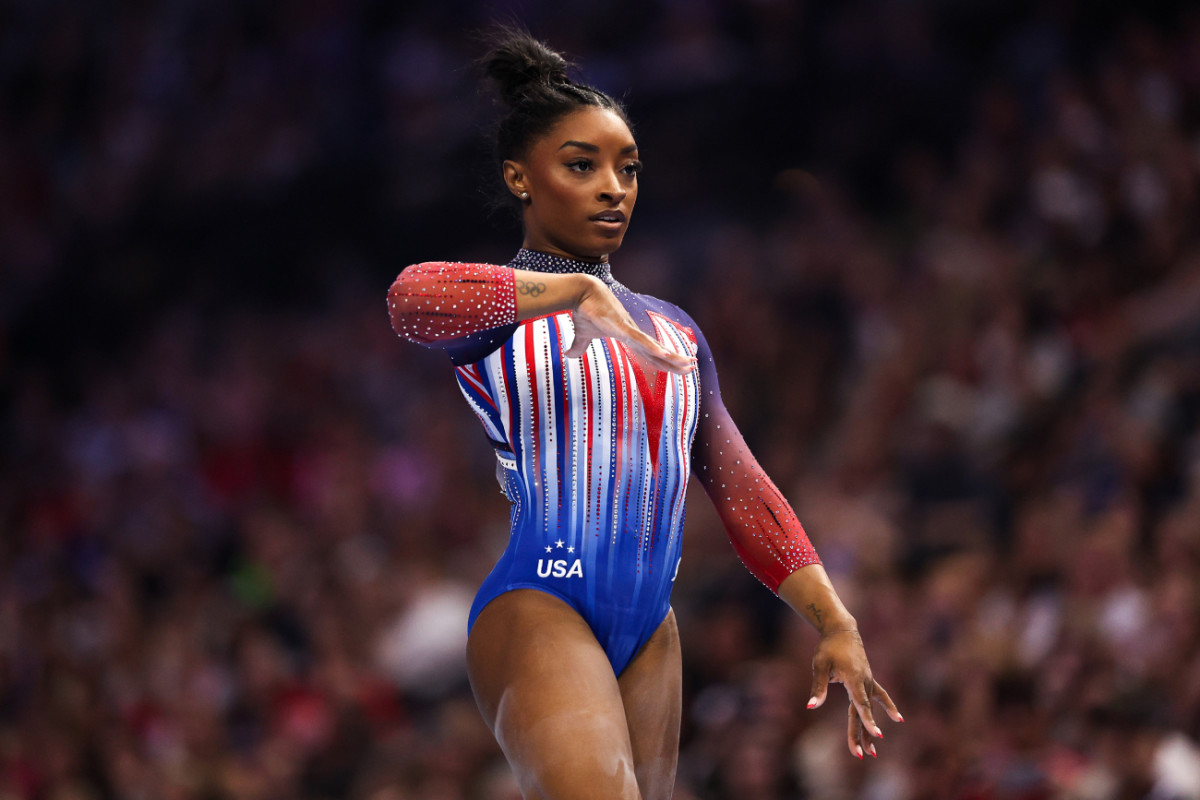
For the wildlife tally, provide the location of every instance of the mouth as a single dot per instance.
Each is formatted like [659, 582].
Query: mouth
[610, 219]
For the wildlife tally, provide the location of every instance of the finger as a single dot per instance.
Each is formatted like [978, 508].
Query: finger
[820, 683]
[863, 743]
[680, 365]
[579, 344]
[882, 696]
[854, 734]
[664, 359]
[861, 701]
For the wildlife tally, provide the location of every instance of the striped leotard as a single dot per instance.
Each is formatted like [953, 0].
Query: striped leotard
[595, 452]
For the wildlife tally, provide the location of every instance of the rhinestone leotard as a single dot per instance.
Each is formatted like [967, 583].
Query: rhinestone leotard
[594, 453]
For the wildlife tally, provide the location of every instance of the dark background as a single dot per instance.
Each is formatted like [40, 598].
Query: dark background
[945, 254]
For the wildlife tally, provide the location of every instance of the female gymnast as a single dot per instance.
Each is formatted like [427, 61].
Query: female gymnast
[599, 403]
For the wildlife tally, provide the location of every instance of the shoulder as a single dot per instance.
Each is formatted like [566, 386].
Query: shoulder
[681, 318]
[662, 308]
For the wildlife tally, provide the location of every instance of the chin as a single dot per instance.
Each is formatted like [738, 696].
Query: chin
[609, 245]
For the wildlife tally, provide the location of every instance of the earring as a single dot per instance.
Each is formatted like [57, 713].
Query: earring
[524, 195]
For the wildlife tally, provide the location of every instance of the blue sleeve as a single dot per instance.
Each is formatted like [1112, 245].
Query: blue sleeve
[761, 524]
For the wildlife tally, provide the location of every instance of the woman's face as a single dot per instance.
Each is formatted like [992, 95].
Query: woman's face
[581, 180]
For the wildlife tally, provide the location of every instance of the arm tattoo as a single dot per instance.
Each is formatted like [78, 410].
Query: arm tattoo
[816, 612]
[531, 288]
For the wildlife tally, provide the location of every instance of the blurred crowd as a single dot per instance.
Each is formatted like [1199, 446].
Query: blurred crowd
[948, 260]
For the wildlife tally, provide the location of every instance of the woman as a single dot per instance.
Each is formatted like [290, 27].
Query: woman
[599, 402]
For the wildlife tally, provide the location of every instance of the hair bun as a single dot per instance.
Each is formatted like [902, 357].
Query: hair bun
[518, 62]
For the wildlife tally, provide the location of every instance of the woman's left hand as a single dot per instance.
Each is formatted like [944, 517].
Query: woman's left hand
[840, 658]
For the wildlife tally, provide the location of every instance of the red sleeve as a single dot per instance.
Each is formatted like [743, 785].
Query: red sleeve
[437, 302]
[761, 524]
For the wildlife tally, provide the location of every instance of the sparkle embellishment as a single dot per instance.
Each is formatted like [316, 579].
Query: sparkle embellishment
[534, 261]
[436, 300]
[600, 447]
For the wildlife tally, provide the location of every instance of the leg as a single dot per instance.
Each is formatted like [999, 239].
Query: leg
[652, 690]
[547, 689]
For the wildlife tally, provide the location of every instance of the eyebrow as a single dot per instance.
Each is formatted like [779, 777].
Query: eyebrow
[591, 148]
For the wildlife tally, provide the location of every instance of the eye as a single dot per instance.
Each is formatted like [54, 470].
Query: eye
[579, 165]
[632, 168]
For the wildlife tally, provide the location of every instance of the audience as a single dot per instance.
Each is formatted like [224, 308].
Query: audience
[948, 262]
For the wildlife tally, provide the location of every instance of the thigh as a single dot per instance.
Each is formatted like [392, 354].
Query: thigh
[651, 691]
[547, 690]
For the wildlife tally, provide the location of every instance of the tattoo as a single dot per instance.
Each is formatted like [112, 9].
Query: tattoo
[530, 288]
[816, 612]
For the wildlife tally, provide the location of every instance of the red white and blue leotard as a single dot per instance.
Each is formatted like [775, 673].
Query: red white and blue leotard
[595, 452]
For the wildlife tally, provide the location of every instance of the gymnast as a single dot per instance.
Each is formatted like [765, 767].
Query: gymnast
[599, 403]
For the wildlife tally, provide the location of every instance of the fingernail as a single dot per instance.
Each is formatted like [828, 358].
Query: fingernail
[878, 732]
[858, 752]
[873, 753]
[812, 702]
[899, 716]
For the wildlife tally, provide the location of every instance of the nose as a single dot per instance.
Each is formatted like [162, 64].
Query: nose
[611, 190]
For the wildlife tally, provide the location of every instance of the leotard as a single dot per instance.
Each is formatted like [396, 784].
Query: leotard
[594, 453]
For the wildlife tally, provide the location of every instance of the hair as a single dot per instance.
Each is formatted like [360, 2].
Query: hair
[532, 82]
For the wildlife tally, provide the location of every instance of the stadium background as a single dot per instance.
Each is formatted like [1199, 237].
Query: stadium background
[946, 255]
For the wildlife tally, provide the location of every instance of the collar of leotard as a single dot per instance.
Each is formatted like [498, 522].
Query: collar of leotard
[544, 262]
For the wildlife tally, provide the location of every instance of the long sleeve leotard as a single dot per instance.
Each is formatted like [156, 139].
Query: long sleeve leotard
[595, 452]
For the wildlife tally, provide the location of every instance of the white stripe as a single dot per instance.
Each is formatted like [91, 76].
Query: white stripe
[602, 422]
[520, 387]
[464, 377]
[542, 343]
[494, 364]
[578, 431]
[684, 415]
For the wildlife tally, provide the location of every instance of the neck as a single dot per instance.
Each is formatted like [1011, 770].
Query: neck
[550, 250]
[551, 262]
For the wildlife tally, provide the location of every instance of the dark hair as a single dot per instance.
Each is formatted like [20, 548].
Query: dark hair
[532, 81]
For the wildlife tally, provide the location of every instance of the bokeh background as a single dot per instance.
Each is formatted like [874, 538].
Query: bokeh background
[946, 256]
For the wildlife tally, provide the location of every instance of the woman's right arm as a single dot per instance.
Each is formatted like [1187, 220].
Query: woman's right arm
[435, 303]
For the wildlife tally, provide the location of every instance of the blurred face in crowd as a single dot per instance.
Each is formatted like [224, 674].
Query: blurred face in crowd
[581, 184]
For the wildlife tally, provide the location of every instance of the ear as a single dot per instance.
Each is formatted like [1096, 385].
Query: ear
[514, 177]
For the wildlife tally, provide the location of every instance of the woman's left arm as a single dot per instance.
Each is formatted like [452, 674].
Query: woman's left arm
[771, 542]
[840, 656]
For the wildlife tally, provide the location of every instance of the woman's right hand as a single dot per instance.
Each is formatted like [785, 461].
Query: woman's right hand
[599, 314]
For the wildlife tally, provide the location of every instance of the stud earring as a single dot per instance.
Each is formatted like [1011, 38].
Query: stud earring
[524, 195]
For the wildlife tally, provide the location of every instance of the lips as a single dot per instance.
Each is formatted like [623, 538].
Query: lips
[611, 217]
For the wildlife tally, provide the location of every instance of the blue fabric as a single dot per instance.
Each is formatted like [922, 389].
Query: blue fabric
[595, 459]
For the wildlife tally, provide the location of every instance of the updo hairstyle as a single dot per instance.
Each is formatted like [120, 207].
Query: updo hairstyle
[532, 82]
